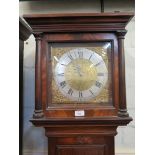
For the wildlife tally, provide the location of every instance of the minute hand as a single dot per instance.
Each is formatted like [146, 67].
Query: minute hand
[78, 69]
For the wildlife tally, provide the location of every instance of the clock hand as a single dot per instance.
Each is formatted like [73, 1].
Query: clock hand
[79, 72]
[78, 69]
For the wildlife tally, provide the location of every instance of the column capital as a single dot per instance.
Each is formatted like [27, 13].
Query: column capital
[121, 34]
[38, 35]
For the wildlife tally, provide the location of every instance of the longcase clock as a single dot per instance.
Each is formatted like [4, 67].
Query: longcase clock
[80, 94]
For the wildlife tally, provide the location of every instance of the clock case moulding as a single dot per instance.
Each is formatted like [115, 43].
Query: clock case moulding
[99, 125]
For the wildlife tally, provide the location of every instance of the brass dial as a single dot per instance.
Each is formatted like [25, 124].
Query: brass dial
[80, 74]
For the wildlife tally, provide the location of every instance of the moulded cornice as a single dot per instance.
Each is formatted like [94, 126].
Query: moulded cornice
[77, 22]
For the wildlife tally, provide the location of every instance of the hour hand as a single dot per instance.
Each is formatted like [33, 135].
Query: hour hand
[78, 69]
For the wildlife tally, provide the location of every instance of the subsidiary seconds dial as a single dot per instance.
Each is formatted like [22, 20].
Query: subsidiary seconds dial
[80, 74]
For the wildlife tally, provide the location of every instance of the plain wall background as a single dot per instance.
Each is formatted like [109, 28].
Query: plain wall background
[34, 140]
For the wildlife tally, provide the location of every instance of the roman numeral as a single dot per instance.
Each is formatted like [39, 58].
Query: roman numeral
[98, 84]
[100, 74]
[90, 56]
[63, 65]
[70, 91]
[80, 94]
[91, 92]
[70, 56]
[61, 74]
[98, 64]
[63, 84]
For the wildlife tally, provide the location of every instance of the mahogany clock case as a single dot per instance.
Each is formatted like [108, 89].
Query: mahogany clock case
[93, 133]
[50, 29]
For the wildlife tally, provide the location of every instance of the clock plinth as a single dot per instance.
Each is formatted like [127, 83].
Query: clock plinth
[80, 94]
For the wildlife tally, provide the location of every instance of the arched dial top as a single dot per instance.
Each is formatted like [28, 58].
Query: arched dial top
[80, 74]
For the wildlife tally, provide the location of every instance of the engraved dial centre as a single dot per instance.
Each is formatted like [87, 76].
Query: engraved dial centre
[80, 74]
